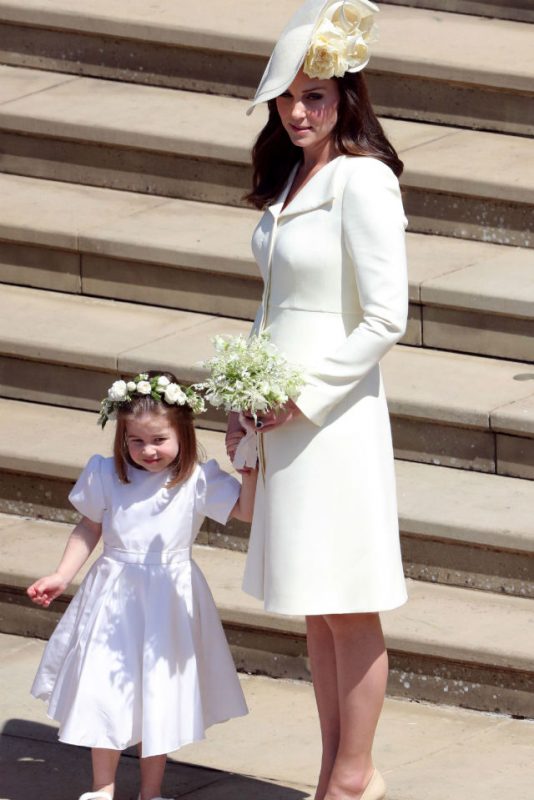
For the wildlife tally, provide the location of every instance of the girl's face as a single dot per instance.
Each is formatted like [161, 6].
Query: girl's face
[308, 110]
[152, 441]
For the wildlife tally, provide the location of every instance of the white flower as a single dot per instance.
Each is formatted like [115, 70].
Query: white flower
[131, 386]
[174, 395]
[357, 52]
[279, 397]
[144, 387]
[326, 56]
[117, 391]
[219, 343]
[340, 41]
[163, 382]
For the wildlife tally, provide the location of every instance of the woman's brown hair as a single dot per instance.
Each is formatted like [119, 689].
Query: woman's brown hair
[357, 133]
[180, 417]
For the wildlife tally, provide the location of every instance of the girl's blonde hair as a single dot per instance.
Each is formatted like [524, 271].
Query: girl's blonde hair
[181, 419]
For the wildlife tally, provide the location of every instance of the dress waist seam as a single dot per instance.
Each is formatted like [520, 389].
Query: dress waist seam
[149, 557]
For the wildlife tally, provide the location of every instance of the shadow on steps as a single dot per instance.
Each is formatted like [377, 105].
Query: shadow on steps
[33, 762]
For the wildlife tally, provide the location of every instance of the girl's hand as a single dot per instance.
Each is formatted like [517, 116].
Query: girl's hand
[280, 416]
[43, 591]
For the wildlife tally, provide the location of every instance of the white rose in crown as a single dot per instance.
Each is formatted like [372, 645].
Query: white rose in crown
[174, 395]
[131, 386]
[163, 382]
[144, 387]
[117, 391]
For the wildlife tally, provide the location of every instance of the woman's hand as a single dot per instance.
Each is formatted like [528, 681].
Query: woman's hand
[234, 434]
[46, 589]
[280, 416]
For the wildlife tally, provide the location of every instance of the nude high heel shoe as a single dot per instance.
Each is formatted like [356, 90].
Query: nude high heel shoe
[376, 788]
[95, 796]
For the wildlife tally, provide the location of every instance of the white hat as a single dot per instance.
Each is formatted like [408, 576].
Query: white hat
[329, 37]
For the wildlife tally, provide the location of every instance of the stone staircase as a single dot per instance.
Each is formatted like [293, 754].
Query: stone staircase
[502, 9]
[124, 245]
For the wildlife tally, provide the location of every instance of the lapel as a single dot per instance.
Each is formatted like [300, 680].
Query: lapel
[319, 191]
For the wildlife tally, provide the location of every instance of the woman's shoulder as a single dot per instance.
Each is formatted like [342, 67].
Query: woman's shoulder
[366, 181]
[368, 167]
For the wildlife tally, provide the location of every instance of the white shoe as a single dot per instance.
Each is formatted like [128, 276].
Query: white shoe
[95, 796]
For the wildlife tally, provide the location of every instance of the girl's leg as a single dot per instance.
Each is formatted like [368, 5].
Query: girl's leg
[152, 769]
[324, 675]
[362, 668]
[105, 763]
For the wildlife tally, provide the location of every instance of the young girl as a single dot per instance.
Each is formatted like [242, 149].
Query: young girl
[140, 656]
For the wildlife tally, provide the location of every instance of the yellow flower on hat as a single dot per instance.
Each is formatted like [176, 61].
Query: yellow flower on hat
[353, 18]
[341, 38]
[326, 56]
[357, 51]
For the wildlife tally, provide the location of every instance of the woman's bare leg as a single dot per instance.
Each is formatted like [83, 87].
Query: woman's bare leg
[152, 769]
[362, 668]
[324, 675]
[105, 763]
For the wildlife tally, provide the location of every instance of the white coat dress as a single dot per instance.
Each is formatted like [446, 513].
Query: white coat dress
[140, 654]
[325, 535]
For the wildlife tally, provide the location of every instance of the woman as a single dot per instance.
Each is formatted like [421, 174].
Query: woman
[330, 246]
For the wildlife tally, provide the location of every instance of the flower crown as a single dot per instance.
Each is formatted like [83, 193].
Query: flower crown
[341, 39]
[159, 388]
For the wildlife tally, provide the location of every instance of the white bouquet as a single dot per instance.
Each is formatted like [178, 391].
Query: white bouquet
[250, 376]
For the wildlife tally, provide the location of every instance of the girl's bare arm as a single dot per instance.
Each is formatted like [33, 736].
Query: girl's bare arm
[244, 507]
[79, 547]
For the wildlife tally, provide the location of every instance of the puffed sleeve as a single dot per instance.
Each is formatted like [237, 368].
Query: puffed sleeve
[216, 492]
[87, 495]
[373, 224]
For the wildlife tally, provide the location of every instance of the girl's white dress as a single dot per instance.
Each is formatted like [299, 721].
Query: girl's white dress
[140, 654]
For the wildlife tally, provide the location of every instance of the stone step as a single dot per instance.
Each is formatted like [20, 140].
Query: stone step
[222, 47]
[485, 663]
[467, 184]
[448, 409]
[502, 9]
[471, 297]
[463, 529]
[274, 753]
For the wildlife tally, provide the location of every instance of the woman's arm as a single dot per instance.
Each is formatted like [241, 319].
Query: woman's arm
[373, 237]
[244, 507]
[79, 547]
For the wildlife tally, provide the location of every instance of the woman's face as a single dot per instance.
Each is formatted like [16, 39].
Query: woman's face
[308, 110]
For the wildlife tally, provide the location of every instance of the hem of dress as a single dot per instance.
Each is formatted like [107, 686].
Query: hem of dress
[299, 612]
[171, 749]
